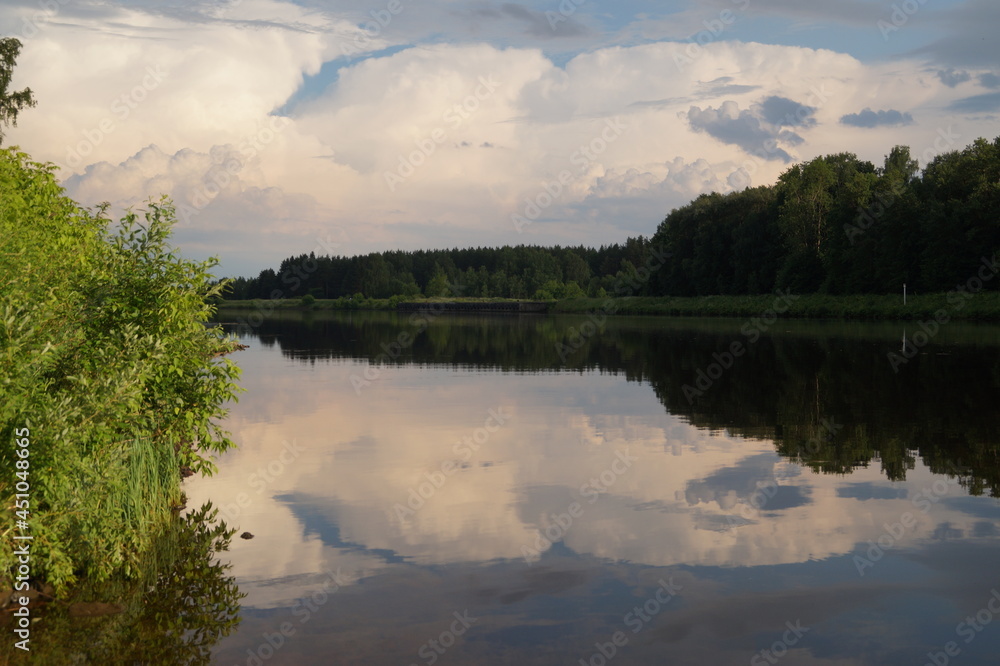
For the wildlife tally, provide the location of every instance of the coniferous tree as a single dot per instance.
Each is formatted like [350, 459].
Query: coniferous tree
[11, 102]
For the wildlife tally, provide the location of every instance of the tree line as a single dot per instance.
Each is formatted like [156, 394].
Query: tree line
[523, 271]
[841, 225]
[835, 224]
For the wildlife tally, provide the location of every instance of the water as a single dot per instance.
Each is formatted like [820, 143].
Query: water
[555, 490]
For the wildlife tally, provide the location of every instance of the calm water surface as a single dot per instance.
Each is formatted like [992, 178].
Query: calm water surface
[541, 490]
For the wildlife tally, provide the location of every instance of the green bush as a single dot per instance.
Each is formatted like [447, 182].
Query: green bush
[106, 359]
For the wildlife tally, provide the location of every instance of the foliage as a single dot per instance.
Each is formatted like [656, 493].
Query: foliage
[11, 103]
[174, 612]
[106, 358]
[506, 272]
[840, 225]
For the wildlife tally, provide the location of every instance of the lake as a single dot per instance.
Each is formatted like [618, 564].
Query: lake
[461, 489]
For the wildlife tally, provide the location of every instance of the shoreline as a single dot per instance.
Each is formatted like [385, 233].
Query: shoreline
[941, 307]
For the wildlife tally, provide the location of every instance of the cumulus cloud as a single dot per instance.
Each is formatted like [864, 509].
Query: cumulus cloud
[160, 79]
[193, 178]
[883, 118]
[473, 130]
[222, 199]
[645, 193]
[784, 112]
[677, 177]
[951, 77]
[756, 130]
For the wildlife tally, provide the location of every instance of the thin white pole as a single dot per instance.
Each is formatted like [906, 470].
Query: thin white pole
[904, 293]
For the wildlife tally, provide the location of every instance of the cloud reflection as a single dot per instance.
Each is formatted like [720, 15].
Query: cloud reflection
[685, 502]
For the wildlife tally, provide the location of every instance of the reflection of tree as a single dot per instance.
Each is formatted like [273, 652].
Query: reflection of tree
[941, 405]
[176, 609]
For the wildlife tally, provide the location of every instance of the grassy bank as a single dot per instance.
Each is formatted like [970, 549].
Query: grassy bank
[984, 306]
[344, 303]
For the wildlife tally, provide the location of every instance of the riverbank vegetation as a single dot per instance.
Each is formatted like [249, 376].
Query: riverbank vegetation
[356, 302]
[834, 226]
[957, 305]
[109, 373]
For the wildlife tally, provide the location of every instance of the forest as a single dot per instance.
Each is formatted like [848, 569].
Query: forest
[833, 225]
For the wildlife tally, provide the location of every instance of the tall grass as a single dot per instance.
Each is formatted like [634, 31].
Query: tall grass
[121, 500]
[150, 484]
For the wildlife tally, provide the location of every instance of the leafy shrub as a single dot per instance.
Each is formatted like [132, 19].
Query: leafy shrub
[105, 357]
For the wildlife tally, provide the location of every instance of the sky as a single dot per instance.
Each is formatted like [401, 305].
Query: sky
[283, 127]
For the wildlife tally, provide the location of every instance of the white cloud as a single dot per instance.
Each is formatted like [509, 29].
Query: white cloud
[483, 129]
[107, 91]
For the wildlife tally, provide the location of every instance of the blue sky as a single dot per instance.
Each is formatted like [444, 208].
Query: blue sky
[284, 127]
